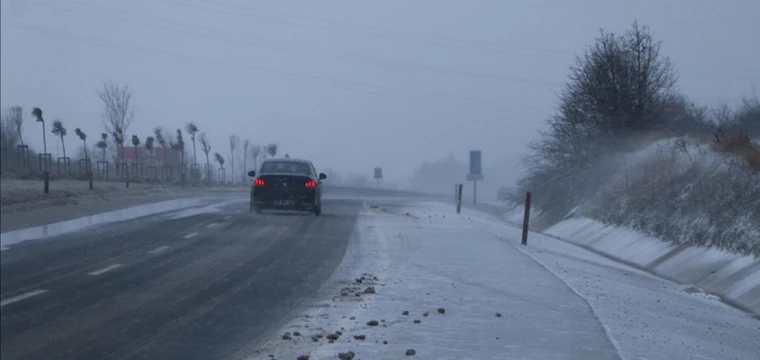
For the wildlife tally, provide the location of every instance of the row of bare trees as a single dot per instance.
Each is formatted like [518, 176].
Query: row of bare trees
[117, 114]
[13, 123]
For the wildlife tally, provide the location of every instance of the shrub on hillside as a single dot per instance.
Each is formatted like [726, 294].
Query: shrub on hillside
[683, 191]
[608, 151]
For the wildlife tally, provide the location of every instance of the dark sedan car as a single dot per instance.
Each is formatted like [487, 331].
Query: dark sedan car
[287, 184]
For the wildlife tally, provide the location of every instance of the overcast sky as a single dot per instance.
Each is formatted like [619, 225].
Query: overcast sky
[352, 84]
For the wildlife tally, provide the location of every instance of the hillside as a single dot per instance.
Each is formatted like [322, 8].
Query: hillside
[682, 190]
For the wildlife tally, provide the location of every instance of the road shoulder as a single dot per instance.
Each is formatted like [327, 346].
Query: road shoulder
[434, 283]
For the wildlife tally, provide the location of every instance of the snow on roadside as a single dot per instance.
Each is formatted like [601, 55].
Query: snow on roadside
[733, 276]
[174, 209]
[649, 318]
[439, 287]
[27, 195]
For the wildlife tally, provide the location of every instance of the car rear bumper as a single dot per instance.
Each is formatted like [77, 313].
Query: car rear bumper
[284, 199]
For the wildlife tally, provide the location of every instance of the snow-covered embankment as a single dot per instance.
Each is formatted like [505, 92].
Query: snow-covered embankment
[733, 277]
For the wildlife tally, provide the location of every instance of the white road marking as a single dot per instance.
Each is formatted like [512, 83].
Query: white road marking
[228, 217]
[158, 250]
[190, 235]
[4, 248]
[22, 297]
[211, 225]
[105, 269]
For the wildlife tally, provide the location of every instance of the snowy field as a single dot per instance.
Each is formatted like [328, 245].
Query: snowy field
[26, 195]
[423, 281]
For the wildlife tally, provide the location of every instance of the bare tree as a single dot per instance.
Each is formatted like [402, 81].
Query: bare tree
[192, 129]
[9, 140]
[82, 136]
[118, 111]
[272, 150]
[60, 131]
[8, 135]
[255, 153]
[179, 145]
[118, 138]
[246, 145]
[234, 141]
[136, 144]
[103, 145]
[219, 159]
[621, 86]
[149, 145]
[37, 113]
[15, 115]
[622, 83]
[206, 148]
[160, 135]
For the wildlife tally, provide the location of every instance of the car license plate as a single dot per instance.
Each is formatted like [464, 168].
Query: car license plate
[284, 202]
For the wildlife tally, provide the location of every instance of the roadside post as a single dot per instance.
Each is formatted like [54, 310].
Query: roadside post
[46, 165]
[459, 198]
[526, 220]
[476, 173]
[378, 175]
[46, 188]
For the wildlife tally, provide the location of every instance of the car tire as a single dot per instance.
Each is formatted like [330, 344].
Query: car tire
[251, 206]
[318, 209]
[257, 209]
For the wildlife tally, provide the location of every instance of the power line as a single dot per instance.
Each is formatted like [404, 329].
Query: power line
[467, 42]
[343, 31]
[494, 47]
[317, 51]
[283, 75]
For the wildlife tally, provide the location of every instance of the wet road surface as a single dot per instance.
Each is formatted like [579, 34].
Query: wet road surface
[201, 286]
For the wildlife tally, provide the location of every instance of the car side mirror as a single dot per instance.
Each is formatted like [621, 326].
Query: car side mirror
[252, 173]
[322, 176]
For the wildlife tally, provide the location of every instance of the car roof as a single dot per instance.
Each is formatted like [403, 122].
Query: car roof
[287, 160]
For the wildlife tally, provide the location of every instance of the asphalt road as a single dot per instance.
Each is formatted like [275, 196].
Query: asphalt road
[196, 287]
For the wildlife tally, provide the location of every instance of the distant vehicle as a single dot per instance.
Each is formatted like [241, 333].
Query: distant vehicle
[286, 184]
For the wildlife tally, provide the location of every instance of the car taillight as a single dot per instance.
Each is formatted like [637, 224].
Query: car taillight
[311, 184]
[258, 182]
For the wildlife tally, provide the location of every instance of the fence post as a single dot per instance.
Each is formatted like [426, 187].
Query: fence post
[47, 182]
[459, 198]
[526, 220]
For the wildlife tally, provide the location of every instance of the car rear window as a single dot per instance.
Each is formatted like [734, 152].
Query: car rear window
[285, 168]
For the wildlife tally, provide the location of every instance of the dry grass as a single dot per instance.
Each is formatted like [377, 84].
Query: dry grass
[16, 192]
[740, 144]
[691, 195]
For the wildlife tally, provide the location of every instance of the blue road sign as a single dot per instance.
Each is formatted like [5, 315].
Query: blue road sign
[475, 165]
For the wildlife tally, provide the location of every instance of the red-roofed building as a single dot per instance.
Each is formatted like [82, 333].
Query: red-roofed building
[158, 157]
